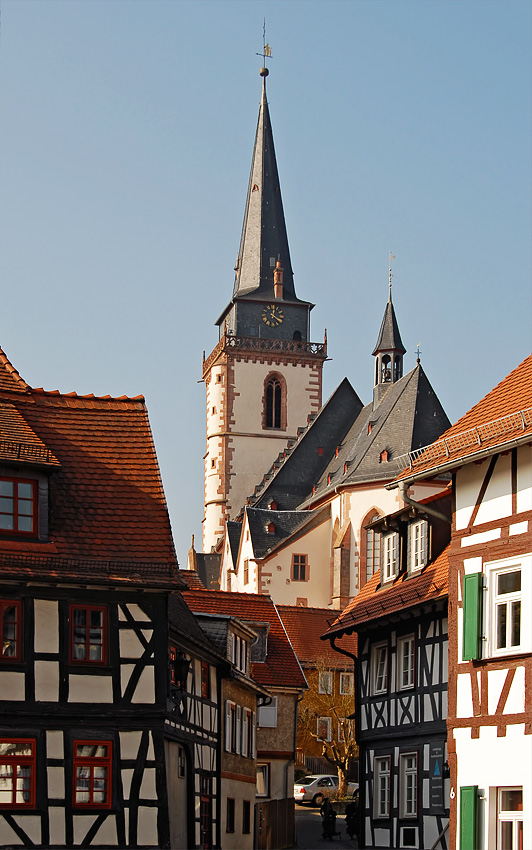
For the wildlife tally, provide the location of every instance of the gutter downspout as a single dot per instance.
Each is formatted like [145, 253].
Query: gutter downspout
[403, 486]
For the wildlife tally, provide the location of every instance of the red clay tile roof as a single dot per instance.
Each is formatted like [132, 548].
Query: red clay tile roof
[305, 626]
[18, 442]
[192, 579]
[10, 379]
[375, 602]
[281, 668]
[106, 501]
[503, 416]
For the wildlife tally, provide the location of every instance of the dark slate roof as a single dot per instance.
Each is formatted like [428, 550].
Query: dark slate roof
[301, 465]
[409, 416]
[264, 230]
[234, 533]
[287, 524]
[389, 336]
[209, 569]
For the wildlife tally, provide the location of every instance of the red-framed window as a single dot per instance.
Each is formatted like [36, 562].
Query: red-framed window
[18, 506]
[88, 634]
[11, 630]
[92, 774]
[17, 773]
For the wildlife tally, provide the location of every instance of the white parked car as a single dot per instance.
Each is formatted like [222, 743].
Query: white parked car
[313, 789]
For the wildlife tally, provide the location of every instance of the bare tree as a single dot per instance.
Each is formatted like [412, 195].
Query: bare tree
[325, 718]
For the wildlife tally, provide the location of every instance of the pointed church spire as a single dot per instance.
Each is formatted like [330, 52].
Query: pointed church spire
[264, 241]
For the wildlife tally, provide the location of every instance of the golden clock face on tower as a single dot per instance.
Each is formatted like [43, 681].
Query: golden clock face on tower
[272, 315]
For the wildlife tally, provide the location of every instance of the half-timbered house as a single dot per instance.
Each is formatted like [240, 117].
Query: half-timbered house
[488, 452]
[102, 741]
[275, 669]
[400, 618]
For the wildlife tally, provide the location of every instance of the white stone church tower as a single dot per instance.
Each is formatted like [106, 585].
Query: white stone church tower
[264, 377]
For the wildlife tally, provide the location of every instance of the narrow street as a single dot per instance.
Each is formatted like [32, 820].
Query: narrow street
[309, 835]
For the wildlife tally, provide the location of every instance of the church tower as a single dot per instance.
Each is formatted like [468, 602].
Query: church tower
[264, 377]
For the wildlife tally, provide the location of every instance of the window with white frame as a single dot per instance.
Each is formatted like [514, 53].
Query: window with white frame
[390, 544]
[347, 683]
[379, 668]
[325, 682]
[509, 818]
[267, 715]
[505, 585]
[408, 785]
[381, 786]
[240, 653]
[406, 656]
[323, 728]
[418, 544]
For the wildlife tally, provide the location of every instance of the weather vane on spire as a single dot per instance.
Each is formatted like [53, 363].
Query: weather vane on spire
[266, 49]
[392, 257]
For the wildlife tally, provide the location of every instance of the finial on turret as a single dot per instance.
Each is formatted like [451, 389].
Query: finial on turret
[418, 353]
[392, 257]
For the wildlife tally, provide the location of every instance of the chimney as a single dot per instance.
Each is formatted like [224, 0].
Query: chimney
[278, 280]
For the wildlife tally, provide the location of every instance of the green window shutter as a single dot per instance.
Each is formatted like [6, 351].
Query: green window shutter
[472, 610]
[469, 817]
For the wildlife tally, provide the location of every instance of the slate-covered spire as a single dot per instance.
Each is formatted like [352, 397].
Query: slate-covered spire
[264, 240]
[388, 351]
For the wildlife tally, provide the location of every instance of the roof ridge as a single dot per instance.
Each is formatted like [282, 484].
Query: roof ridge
[86, 396]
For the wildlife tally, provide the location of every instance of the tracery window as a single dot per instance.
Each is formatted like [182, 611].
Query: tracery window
[274, 414]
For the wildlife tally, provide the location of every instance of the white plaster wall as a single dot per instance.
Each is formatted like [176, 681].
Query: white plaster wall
[497, 501]
[46, 681]
[129, 744]
[491, 762]
[249, 380]
[147, 827]
[147, 788]
[54, 745]
[82, 824]
[246, 551]
[524, 479]
[137, 613]
[46, 626]
[90, 688]
[12, 685]
[57, 826]
[464, 699]
[107, 834]
[468, 482]
[317, 590]
[130, 645]
[56, 783]
[145, 689]
[8, 836]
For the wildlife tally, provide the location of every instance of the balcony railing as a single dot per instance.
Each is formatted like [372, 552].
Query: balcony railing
[254, 343]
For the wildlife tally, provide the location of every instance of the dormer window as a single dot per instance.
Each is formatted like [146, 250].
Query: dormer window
[418, 544]
[240, 653]
[390, 543]
[18, 506]
[270, 528]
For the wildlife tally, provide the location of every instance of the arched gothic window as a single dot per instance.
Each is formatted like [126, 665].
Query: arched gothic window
[274, 402]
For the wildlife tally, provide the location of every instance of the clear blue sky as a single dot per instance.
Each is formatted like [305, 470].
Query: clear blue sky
[126, 137]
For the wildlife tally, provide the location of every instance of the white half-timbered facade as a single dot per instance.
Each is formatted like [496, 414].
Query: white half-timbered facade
[401, 681]
[490, 633]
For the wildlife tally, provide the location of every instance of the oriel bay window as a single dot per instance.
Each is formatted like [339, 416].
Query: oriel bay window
[17, 773]
[92, 774]
[11, 630]
[88, 634]
[18, 506]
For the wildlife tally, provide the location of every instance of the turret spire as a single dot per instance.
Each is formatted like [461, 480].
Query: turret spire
[389, 349]
[264, 240]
